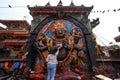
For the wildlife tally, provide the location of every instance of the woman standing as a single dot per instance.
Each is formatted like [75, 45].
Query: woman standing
[52, 62]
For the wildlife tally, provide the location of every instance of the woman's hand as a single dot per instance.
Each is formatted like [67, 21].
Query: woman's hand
[59, 46]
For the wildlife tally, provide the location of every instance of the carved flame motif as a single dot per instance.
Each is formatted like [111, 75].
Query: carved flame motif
[59, 25]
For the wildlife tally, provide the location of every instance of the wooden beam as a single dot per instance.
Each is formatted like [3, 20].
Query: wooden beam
[108, 60]
[11, 60]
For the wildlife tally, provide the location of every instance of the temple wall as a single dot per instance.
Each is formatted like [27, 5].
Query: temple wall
[36, 20]
[83, 18]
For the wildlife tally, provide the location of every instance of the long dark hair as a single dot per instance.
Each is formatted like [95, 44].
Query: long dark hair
[53, 50]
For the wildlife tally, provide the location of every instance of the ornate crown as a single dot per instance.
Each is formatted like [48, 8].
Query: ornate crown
[59, 25]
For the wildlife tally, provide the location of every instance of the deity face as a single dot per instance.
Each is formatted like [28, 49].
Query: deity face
[76, 31]
[60, 33]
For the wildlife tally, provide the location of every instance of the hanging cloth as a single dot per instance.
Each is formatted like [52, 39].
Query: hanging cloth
[6, 65]
[16, 65]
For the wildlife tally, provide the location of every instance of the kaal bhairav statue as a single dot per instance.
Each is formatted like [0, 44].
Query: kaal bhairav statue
[71, 55]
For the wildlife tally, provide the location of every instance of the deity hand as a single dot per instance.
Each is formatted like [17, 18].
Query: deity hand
[75, 46]
[70, 47]
[81, 54]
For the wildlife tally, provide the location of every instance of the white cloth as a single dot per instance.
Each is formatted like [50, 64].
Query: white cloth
[52, 58]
